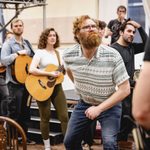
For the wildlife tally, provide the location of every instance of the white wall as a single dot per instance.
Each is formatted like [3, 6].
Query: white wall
[60, 8]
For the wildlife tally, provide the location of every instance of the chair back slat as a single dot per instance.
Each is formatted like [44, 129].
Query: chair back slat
[10, 132]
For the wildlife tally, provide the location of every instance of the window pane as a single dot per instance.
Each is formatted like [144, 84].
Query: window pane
[134, 1]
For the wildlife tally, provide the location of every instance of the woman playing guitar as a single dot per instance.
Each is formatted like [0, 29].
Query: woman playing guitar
[48, 55]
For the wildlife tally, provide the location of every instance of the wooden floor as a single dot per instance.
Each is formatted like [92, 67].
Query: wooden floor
[96, 146]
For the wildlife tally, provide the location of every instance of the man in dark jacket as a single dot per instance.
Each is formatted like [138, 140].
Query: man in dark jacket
[128, 49]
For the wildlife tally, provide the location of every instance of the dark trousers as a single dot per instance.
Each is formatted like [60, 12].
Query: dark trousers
[58, 99]
[4, 97]
[126, 124]
[18, 109]
[89, 134]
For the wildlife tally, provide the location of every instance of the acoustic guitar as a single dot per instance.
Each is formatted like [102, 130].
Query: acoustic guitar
[41, 87]
[20, 68]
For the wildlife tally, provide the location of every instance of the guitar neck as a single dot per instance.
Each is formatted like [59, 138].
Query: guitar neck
[61, 69]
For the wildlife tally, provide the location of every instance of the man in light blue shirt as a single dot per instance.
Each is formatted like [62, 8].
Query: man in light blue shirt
[11, 49]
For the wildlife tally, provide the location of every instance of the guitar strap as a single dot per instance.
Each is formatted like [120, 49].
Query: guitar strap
[58, 57]
[32, 53]
[61, 67]
[29, 45]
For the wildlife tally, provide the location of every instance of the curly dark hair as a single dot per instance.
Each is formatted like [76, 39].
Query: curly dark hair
[102, 24]
[43, 38]
[124, 25]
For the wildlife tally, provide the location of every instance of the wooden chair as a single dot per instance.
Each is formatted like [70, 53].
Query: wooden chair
[10, 130]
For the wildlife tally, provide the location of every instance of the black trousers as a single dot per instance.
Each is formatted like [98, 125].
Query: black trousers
[126, 124]
[4, 97]
[18, 109]
[90, 133]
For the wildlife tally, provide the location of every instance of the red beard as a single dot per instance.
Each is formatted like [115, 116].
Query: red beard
[90, 40]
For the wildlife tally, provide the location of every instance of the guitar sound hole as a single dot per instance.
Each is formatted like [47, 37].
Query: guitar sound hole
[41, 84]
[51, 83]
[51, 78]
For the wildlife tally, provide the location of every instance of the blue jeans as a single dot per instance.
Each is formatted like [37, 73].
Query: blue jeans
[79, 123]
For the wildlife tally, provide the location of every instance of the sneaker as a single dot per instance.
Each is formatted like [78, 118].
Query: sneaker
[126, 145]
[30, 142]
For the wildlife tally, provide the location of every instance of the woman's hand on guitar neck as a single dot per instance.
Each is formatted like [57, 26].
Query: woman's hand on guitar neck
[54, 74]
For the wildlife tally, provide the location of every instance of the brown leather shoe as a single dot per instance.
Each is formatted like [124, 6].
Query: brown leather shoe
[126, 145]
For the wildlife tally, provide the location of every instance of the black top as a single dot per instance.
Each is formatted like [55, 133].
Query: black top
[127, 53]
[114, 26]
[147, 51]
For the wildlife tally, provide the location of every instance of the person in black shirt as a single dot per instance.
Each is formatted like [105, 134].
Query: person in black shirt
[141, 95]
[113, 25]
[128, 49]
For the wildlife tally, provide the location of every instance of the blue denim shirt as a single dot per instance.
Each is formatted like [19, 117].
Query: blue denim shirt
[9, 48]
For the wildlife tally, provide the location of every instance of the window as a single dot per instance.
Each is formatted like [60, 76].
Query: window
[135, 6]
[134, 1]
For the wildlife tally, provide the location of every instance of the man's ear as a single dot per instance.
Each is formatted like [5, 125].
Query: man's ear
[77, 35]
[120, 33]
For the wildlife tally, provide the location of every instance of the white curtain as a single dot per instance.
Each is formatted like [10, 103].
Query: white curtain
[146, 4]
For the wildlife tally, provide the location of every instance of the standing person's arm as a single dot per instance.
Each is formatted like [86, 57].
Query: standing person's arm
[139, 47]
[69, 73]
[108, 31]
[122, 92]
[143, 34]
[141, 97]
[7, 57]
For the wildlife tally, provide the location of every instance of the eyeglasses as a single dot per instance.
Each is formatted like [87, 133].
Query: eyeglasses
[122, 11]
[87, 27]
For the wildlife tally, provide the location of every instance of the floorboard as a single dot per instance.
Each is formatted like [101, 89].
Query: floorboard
[96, 146]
